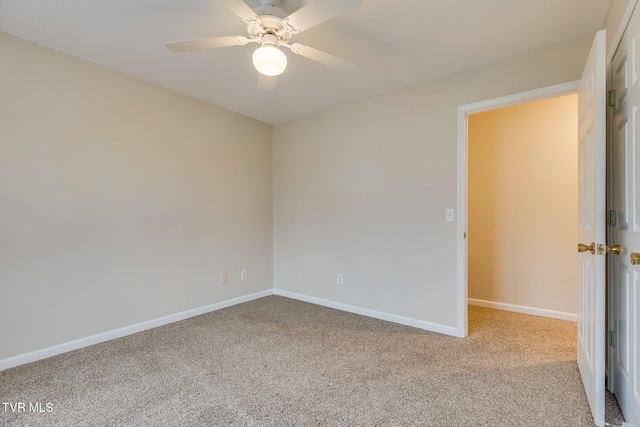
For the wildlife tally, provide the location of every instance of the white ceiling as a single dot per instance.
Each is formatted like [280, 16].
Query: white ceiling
[397, 43]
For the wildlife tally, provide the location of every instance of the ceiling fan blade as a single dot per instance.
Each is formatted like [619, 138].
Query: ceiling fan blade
[266, 83]
[243, 10]
[208, 43]
[316, 13]
[324, 58]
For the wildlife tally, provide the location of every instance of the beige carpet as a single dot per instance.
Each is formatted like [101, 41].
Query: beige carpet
[281, 362]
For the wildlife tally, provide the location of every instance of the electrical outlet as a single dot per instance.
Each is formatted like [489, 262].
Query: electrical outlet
[243, 274]
[223, 279]
[339, 279]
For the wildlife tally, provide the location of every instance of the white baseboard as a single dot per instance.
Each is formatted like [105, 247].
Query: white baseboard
[143, 326]
[121, 332]
[526, 310]
[421, 324]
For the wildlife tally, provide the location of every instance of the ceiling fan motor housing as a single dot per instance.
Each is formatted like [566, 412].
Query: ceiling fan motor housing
[270, 7]
[270, 23]
[275, 3]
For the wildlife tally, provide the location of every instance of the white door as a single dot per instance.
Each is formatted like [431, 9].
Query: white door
[592, 226]
[624, 223]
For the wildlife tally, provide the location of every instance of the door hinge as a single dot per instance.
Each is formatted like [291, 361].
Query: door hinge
[613, 218]
[611, 98]
[612, 339]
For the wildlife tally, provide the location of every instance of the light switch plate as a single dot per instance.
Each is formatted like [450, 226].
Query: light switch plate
[449, 215]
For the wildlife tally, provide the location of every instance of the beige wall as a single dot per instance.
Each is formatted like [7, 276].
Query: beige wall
[362, 190]
[120, 201]
[522, 195]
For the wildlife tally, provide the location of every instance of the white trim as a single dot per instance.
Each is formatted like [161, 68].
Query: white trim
[463, 111]
[521, 97]
[573, 317]
[462, 321]
[611, 309]
[617, 37]
[416, 323]
[124, 331]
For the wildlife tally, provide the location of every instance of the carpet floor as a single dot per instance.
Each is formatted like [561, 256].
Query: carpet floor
[281, 362]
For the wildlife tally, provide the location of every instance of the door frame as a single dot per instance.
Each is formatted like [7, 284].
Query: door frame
[462, 291]
[613, 48]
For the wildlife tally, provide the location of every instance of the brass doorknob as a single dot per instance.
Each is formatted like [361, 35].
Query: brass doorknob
[615, 249]
[635, 258]
[584, 248]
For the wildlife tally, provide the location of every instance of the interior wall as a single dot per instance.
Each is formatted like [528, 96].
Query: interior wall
[120, 201]
[362, 190]
[522, 205]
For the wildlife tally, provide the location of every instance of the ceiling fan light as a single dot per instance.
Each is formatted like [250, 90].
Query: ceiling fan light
[269, 60]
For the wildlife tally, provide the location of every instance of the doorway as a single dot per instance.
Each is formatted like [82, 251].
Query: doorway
[522, 207]
[463, 175]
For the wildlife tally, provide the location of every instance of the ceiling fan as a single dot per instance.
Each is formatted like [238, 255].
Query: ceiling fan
[271, 27]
